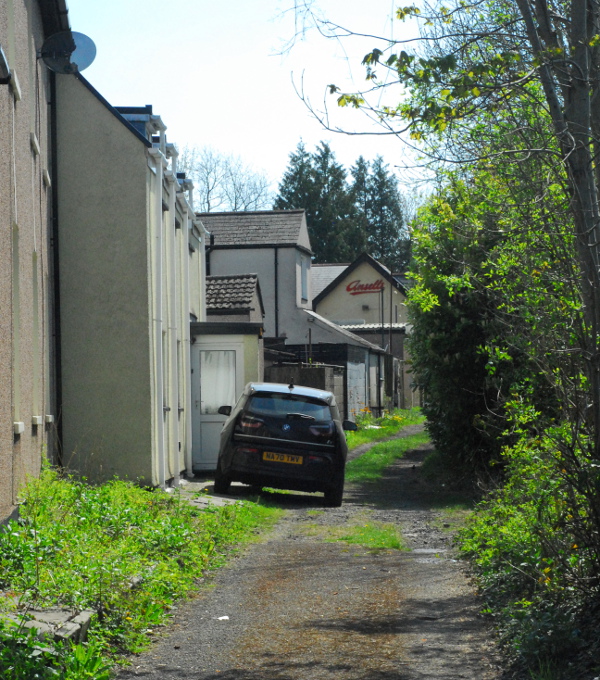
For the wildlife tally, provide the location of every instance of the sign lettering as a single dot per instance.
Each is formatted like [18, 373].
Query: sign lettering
[358, 288]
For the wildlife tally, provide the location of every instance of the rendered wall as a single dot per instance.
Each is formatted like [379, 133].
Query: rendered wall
[103, 189]
[291, 321]
[26, 280]
[342, 305]
[259, 261]
[253, 359]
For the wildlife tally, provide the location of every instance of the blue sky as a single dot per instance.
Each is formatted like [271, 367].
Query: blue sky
[212, 71]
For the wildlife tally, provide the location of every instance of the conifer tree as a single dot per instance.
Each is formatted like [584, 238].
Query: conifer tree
[316, 182]
[387, 236]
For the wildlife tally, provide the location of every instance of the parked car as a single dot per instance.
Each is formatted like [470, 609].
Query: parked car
[286, 437]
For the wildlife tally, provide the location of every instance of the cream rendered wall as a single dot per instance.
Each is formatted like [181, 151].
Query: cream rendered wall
[26, 385]
[254, 369]
[196, 270]
[105, 290]
[340, 305]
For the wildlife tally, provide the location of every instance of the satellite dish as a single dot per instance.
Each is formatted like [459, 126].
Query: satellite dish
[68, 52]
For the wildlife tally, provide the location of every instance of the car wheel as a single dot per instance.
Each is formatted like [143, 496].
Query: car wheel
[222, 482]
[335, 493]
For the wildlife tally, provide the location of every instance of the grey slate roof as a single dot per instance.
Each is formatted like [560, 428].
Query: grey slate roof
[265, 227]
[230, 292]
[323, 274]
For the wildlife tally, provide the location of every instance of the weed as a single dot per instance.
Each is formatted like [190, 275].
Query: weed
[374, 536]
[125, 552]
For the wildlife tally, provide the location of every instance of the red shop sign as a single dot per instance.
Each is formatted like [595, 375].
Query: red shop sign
[358, 288]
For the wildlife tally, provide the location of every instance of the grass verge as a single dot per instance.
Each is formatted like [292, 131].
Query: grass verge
[128, 553]
[370, 466]
[375, 429]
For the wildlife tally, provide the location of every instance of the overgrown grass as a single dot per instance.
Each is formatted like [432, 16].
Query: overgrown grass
[370, 466]
[126, 552]
[374, 536]
[372, 429]
[363, 531]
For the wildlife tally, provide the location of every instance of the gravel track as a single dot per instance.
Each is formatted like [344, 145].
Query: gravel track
[301, 608]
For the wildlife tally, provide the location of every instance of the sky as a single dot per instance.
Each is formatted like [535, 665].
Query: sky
[217, 74]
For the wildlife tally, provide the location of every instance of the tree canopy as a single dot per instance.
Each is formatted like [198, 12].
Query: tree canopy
[346, 214]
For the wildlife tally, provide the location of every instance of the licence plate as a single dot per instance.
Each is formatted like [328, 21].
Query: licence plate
[282, 457]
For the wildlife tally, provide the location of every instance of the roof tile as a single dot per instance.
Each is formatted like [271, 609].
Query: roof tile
[230, 292]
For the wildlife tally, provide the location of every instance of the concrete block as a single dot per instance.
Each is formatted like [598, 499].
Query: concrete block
[43, 630]
[83, 620]
[67, 631]
[53, 617]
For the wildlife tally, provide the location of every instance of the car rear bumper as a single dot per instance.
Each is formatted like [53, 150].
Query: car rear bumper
[316, 472]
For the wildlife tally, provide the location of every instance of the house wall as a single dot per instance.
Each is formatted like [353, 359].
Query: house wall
[26, 277]
[254, 369]
[288, 321]
[346, 306]
[104, 184]
[196, 274]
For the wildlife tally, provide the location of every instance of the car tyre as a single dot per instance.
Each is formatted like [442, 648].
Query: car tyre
[335, 493]
[222, 482]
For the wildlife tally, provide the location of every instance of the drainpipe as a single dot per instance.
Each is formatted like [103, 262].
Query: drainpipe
[173, 397]
[158, 320]
[56, 274]
[380, 377]
[207, 252]
[391, 317]
[187, 344]
[276, 267]
[382, 328]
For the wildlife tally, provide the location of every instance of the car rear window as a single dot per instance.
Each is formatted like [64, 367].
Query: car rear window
[274, 404]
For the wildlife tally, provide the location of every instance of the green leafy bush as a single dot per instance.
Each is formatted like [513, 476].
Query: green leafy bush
[535, 548]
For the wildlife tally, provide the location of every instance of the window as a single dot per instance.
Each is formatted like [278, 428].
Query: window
[274, 404]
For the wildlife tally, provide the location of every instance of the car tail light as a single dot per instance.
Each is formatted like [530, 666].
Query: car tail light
[321, 431]
[315, 459]
[249, 423]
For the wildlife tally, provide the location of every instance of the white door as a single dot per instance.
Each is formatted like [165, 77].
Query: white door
[217, 380]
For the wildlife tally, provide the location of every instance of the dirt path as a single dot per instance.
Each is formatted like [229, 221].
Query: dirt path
[296, 607]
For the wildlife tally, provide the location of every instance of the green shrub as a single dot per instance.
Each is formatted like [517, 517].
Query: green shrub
[534, 544]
